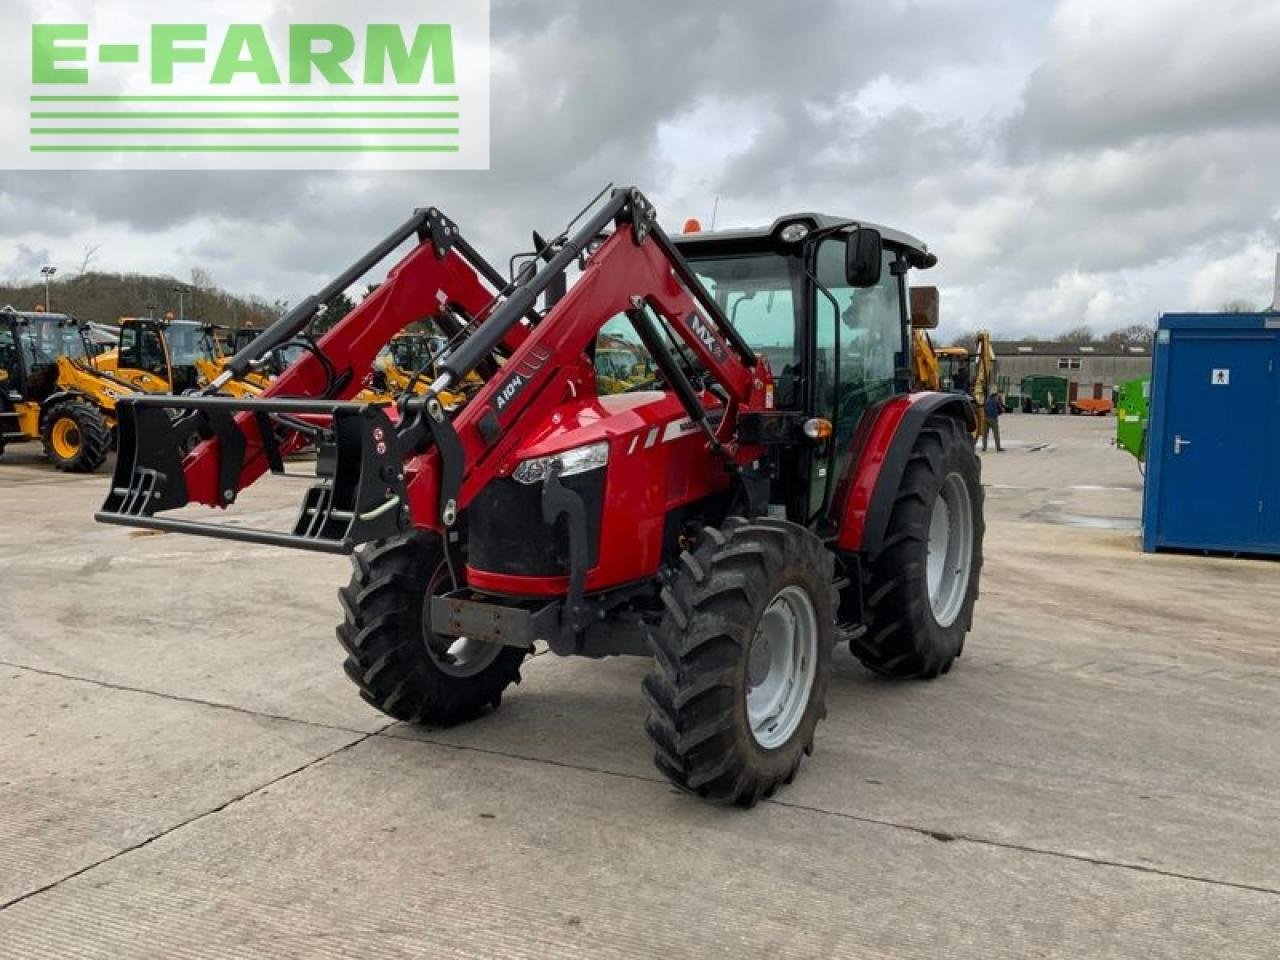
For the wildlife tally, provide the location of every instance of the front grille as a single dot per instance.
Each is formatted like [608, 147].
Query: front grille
[508, 535]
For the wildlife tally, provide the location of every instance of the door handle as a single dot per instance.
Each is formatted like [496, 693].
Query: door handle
[1179, 443]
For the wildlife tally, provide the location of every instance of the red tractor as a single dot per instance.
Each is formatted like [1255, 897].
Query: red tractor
[772, 490]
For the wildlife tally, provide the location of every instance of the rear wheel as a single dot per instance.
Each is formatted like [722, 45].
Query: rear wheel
[400, 666]
[741, 659]
[921, 587]
[76, 436]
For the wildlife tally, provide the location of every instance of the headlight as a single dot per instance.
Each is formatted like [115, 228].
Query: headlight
[794, 232]
[579, 460]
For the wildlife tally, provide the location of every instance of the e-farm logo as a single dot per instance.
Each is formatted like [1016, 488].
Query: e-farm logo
[402, 84]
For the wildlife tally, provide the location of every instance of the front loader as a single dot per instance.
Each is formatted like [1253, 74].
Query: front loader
[775, 490]
[52, 391]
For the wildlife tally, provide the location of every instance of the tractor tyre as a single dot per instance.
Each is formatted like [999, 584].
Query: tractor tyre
[398, 664]
[75, 435]
[741, 660]
[919, 589]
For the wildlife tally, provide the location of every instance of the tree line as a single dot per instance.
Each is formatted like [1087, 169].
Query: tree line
[106, 297]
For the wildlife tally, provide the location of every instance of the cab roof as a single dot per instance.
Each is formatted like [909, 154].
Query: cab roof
[37, 315]
[916, 249]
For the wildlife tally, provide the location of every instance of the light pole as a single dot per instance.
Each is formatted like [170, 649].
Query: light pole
[182, 309]
[47, 273]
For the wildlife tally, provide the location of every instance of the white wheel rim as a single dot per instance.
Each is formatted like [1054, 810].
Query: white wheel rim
[781, 665]
[453, 656]
[950, 550]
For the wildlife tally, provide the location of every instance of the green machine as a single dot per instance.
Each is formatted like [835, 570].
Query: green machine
[1040, 392]
[1133, 398]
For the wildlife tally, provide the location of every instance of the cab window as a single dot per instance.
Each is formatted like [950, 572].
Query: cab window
[758, 293]
[140, 349]
[9, 356]
[867, 323]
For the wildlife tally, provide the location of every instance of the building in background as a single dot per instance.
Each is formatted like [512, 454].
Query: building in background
[1090, 369]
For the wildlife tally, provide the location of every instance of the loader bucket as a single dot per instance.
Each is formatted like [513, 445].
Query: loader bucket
[359, 495]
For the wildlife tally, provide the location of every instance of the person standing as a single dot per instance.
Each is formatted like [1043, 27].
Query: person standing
[992, 407]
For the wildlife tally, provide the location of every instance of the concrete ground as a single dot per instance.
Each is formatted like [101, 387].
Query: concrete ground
[185, 771]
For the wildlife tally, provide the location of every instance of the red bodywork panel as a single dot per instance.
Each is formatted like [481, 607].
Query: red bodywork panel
[658, 461]
[544, 400]
[871, 444]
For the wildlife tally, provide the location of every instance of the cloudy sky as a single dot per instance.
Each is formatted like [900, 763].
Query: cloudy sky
[1086, 161]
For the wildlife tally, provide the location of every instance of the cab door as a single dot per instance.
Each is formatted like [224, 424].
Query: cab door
[857, 350]
[11, 383]
[144, 360]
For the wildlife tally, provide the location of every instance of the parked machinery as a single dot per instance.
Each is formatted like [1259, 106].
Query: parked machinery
[52, 391]
[953, 368]
[1043, 393]
[1133, 399]
[172, 356]
[408, 364]
[782, 488]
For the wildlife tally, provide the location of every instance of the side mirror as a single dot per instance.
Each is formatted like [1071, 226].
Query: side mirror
[864, 258]
[924, 308]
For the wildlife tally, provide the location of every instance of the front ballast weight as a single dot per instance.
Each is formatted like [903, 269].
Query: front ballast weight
[360, 495]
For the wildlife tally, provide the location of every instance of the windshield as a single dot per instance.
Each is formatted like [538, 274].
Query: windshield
[410, 353]
[759, 293]
[185, 346]
[43, 341]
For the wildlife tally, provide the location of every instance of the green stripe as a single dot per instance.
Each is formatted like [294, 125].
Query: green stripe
[244, 148]
[241, 99]
[219, 131]
[103, 115]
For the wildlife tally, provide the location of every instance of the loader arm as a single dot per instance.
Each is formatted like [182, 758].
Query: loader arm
[420, 285]
[387, 470]
[625, 276]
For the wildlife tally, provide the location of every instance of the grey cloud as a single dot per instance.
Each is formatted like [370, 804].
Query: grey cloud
[1142, 147]
[1120, 72]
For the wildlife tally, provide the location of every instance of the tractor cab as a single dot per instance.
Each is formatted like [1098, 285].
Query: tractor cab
[411, 352]
[30, 345]
[166, 357]
[956, 367]
[825, 300]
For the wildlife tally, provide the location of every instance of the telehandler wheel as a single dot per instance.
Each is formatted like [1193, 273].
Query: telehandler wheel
[741, 660]
[920, 588]
[75, 435]
[402, 668]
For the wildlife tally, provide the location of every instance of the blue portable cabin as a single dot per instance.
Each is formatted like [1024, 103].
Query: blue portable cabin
[1213, 462]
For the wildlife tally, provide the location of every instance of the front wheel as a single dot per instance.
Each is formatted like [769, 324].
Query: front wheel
[75, 435]
[400, 666]
[741, 660]
[920, 589]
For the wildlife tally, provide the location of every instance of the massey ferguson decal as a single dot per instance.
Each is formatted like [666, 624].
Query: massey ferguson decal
[708, 336]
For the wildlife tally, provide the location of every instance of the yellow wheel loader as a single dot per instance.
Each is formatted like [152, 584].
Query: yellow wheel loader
[52, 391]
[411, 354]
[174, 356]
